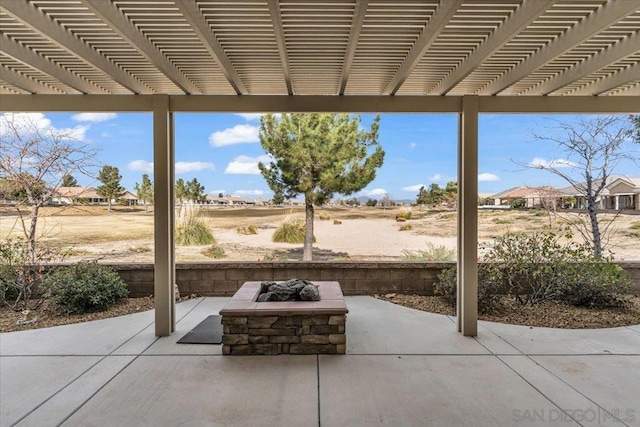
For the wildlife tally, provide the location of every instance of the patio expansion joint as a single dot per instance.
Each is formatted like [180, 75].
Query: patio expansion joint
[637, 331]
[563, 382]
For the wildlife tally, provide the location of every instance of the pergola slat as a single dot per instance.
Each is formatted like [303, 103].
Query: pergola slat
[19, 80]
[609, 13]
[612, 81]
[109, 13]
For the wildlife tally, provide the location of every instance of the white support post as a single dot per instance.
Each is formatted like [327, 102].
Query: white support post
[468, 218]
[459, 244]
[164, 270]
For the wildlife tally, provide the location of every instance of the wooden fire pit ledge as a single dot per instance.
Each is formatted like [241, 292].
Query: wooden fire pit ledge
[290, 327]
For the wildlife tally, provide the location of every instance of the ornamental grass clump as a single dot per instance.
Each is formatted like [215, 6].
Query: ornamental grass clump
[247, 229]
[84, 287]
[290, 230]
[433, 253]
[191, 230]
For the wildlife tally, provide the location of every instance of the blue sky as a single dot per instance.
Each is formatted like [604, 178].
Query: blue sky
[222, 150]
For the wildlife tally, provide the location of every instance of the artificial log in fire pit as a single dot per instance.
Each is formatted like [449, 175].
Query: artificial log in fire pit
[284, 327]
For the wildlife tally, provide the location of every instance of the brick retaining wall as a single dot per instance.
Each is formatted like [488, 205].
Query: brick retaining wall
[356, 278]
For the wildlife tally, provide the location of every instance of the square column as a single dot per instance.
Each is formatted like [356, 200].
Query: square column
[163, 172]
[467, 307]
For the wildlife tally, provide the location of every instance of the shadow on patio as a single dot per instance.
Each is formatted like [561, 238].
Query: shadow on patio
[403, 368]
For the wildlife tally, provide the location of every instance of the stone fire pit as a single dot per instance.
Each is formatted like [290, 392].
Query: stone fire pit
[288, 327]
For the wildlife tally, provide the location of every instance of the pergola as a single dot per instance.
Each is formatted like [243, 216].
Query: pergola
[419, 56]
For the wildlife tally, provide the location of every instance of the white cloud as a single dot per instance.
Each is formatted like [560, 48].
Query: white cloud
[141, 166]
[26, 123]
[413, 188]
[437, 177]
[539, 162]
[239, 134]
[250, 116]
[484, 177]
[94, 117]
[181, 167]
[376, 192]
[184, 167]
[246, 165]
[412, 145]
[248, 193]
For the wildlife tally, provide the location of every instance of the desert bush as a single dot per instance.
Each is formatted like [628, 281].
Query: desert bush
[214, 251]
[324, 216]
[406, 227]
[447, 288]
[20, 273]
[247, 229]
[140, 249]
[290, 230]
[518, 203]
[432, 253]
[84, 287]
[337, 222]
[501, 221]
[191, 230]
[538, 267]
[635, 225]
[404, 214]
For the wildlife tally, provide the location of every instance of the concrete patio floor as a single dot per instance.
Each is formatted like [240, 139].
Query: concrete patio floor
[402, 368]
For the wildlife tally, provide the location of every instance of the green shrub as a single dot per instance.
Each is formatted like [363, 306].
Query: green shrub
[324, 216]
[192, 230]
[406, 227]
[518, 203]
[432, 253]
[501, 221]
[291, 230]
[447, 288]
[538, 267]
[84, 287]
[214, 251]
[247, 229]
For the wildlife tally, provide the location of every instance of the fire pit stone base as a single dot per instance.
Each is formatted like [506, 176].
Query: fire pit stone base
[291, 327]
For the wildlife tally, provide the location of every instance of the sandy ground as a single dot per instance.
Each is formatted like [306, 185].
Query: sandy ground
[126, 235]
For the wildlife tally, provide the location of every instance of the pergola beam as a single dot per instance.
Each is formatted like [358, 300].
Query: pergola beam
[33, 17]
[525, 13]
[605, 16]
[21, 81]
[437, 23]
[352, 44]
[609, 55]
[612, 81]
[315, 103]
[32, 59]
[196, 20]
[109, 13]
[278, 29]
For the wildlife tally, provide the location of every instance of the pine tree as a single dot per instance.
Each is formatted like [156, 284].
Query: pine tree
[181, 190]
[317, 155]
[68, 180]
[144, 191]
[423, 196]
[110, 189]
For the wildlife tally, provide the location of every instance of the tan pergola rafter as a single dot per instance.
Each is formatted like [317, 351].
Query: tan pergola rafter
[612, 81]
[194, 17]
[606, 15]
[37, 20]
[609, 55]
[436, 24]
[109, 13]
[521, 18]
[352, 44]
[32, 59]
[26, 83]
[278, 28]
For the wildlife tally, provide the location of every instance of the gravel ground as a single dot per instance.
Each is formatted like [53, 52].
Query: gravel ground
[544, 314]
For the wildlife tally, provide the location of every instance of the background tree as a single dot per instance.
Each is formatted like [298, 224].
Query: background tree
[594, 146]
[372, 202]
[180, 190]
[318, 155]
[195, 191]
[110, 189]
[69, 180]
[144, 191]
[34, 156]
[423, 196]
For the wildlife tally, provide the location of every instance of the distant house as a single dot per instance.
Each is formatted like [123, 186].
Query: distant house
[621, 193]
[529, 197]
[87, 196]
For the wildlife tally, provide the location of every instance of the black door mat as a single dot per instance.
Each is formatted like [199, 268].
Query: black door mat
[209, 331]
